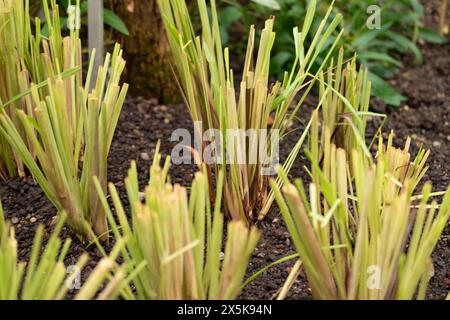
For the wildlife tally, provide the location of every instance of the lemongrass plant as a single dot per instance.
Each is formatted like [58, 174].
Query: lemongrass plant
[362, 234]
[179, 241]
[208, 86]
[13, 40]
[344, 98]
[63, 132]
[45, 277]
[345, 95]
[21, 63]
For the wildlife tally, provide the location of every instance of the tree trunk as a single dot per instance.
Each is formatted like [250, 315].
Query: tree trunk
[146, 51]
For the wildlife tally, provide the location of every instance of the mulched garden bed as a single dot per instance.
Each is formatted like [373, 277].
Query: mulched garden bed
[425, 116]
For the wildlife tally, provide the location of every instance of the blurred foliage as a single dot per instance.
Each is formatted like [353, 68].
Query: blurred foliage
[378, 49]
[110, 18]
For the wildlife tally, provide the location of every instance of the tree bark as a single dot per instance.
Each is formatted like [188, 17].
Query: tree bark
[146, 51]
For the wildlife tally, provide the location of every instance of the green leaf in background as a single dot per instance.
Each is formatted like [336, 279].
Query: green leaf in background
[229, 15]
[378, 56]
[430, 36]
[418, 8]
[378, 48]
[109, 18]
[280, 59]
[46, 33]
[272, 4]
[364, 39]
[83, 8]
[406, 44]
[224, 35]
[112, 20]
[64, 3]
[383, 90]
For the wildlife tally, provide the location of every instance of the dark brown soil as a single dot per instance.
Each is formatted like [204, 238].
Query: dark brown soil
[424, 117]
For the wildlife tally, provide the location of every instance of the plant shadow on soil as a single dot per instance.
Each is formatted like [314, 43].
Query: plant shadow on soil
[424, 117]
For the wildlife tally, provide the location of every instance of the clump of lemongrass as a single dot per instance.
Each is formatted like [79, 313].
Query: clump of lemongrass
[360, 234]
[345, 95]
[208, 86]
[64, 128]
[179, 241]
[22, 63]
[11, 33]
[45, 277]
